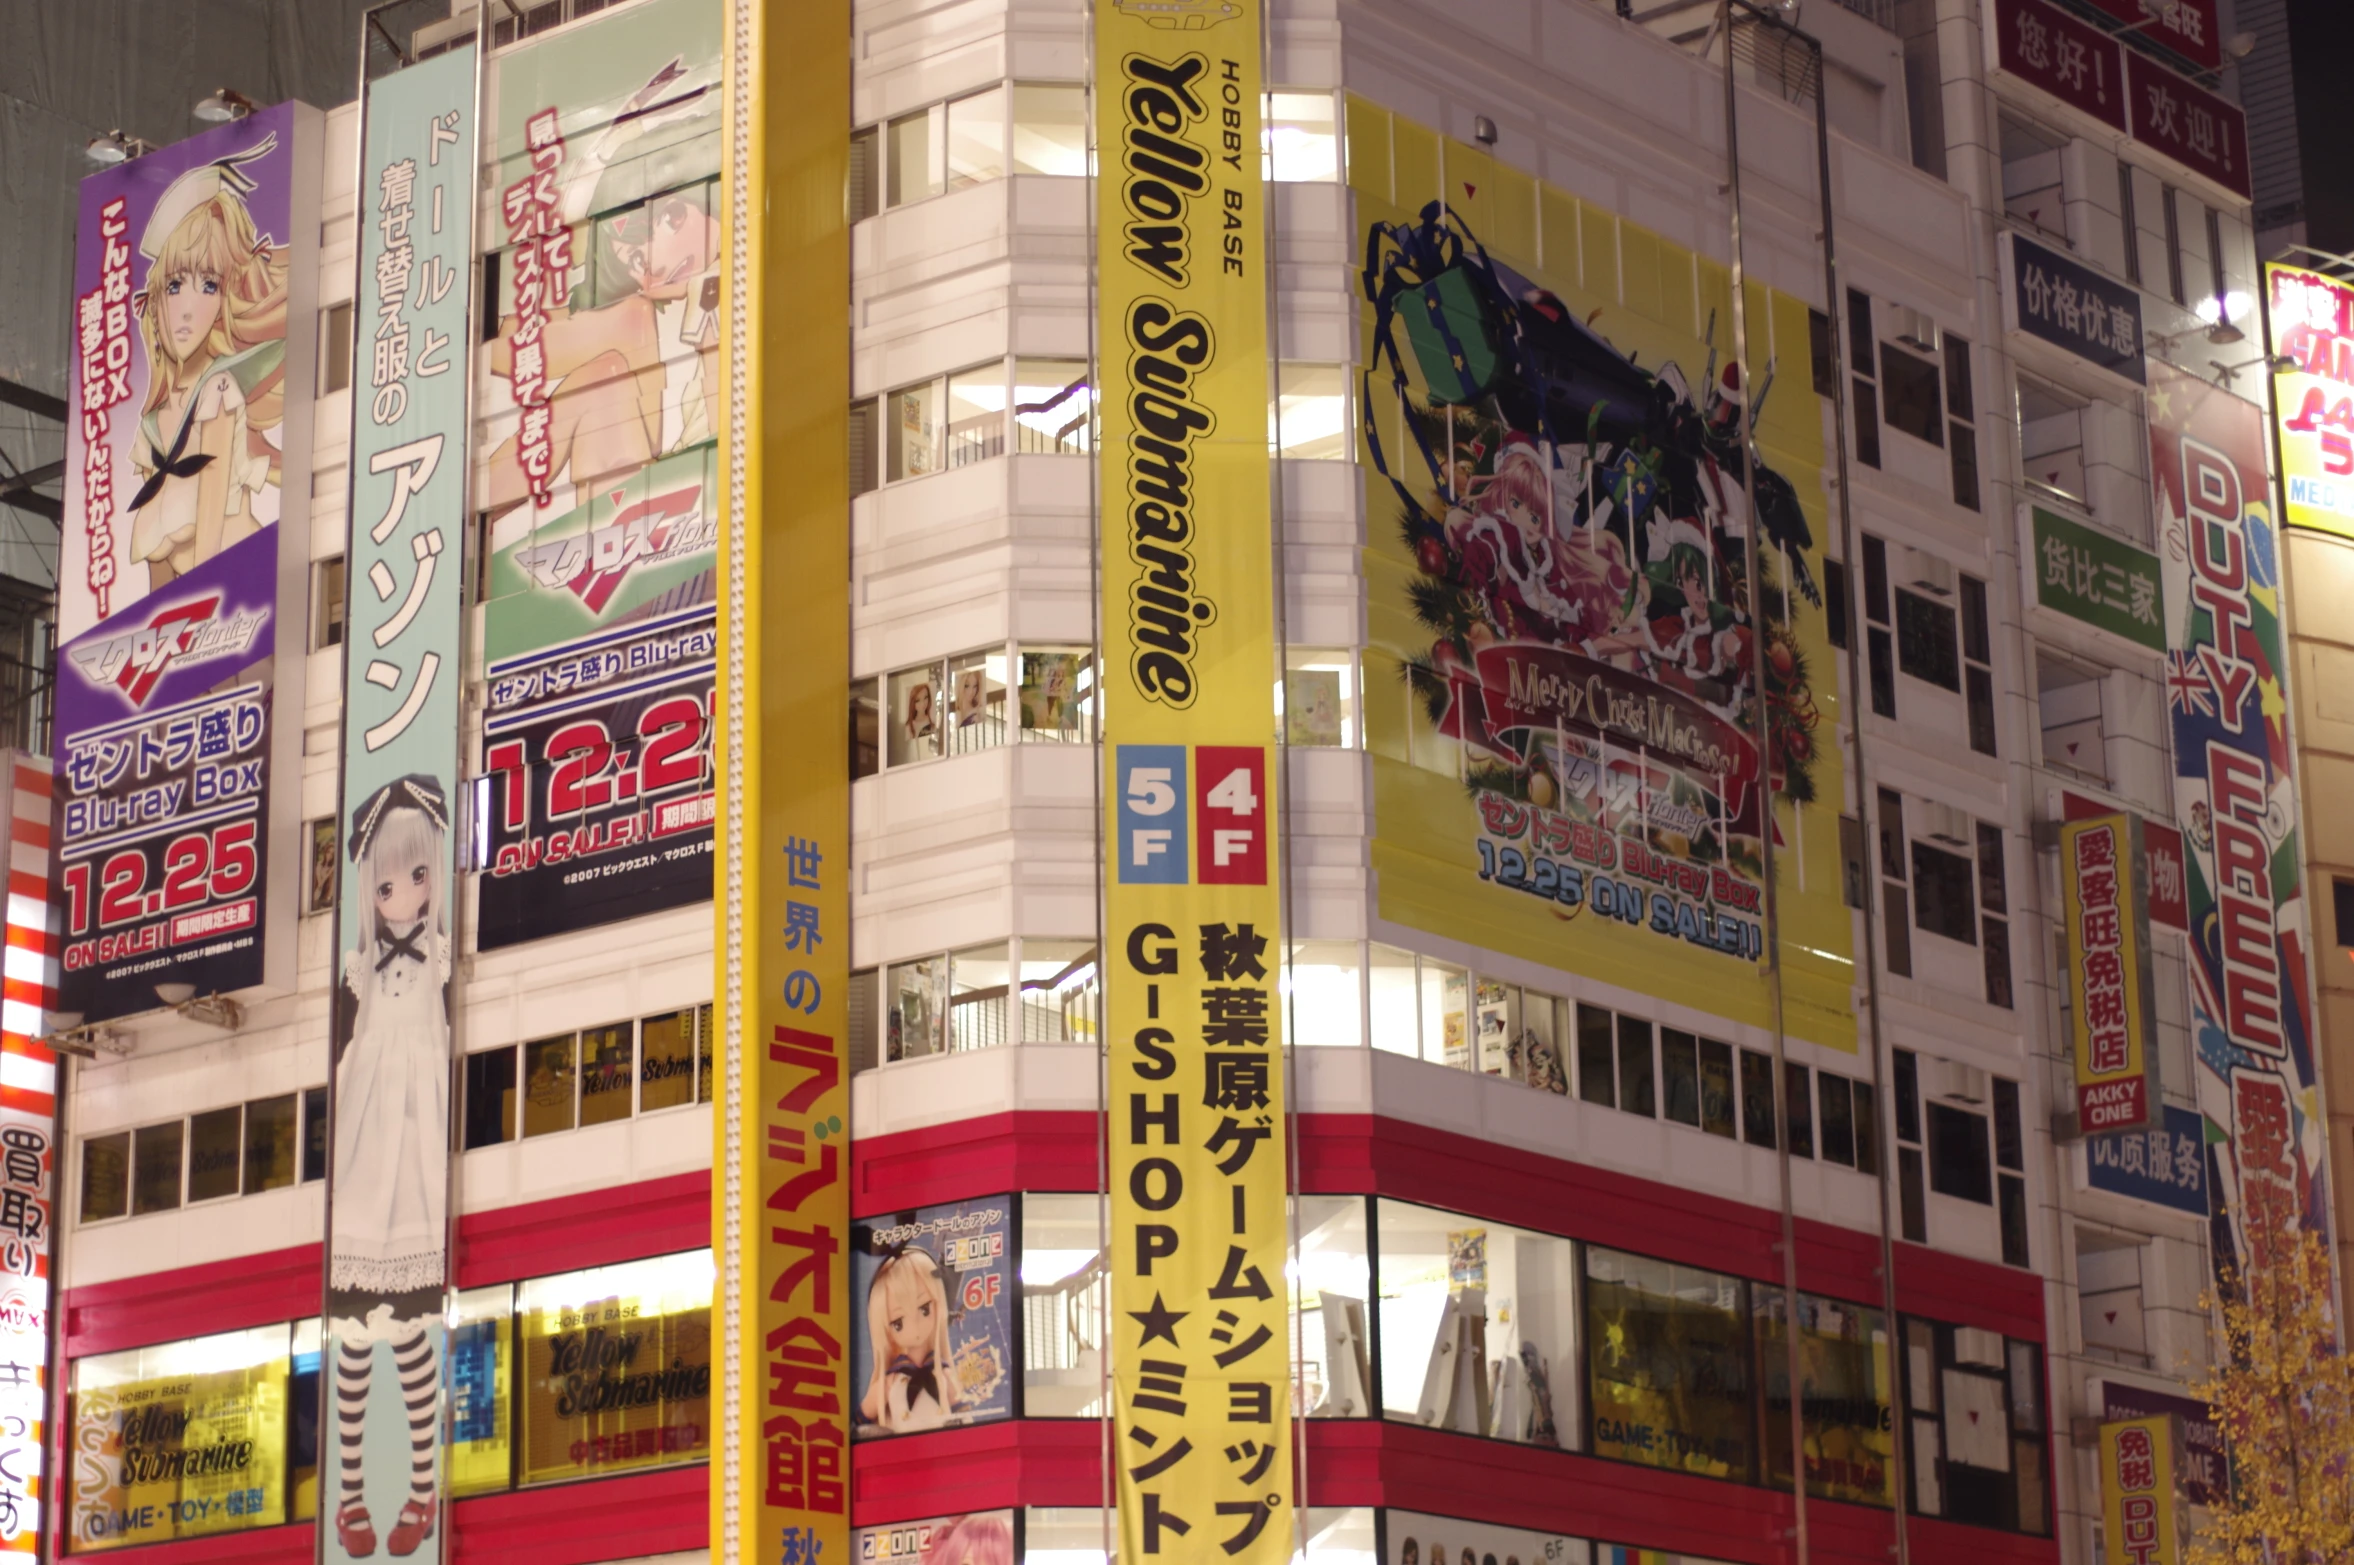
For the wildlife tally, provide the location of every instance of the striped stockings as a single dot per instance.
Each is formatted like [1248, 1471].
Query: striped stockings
[419, 1366]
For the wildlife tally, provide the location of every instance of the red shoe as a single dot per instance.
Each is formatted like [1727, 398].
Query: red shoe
[355, 1532]
[411, 1527]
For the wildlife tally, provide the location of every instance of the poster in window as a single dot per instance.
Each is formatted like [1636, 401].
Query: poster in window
[1413, 1538]
[1846, 1367]
[932, 1296]
[1053, 703]
[189, 1442]
[1670, 1367]
[616, 1382]
[981, 1538]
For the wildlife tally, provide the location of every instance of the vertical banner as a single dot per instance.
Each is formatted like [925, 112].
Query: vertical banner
[395, 930]
[780, 1476]
[2226, 696]
[2111, 1008]
[2309, 317]
[179, 689]
[1196, 1115]
[2140, 1523]
[29, 1161]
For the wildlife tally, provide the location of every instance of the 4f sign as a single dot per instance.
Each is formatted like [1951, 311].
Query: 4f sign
[1175, 801]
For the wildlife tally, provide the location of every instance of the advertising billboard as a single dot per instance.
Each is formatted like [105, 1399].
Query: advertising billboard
[31, 1163]
[395, 922]
[1563, 700]
[2141, 1522]
[2309, 318]
[2226, 697]
[2112, 1013]
[191, 385]
[596, 463]
[932, 1337]
[616, 1369]
[981, 1538]
[1191, 899]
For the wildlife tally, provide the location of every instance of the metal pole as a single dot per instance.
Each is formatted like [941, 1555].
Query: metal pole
[1793, 1364]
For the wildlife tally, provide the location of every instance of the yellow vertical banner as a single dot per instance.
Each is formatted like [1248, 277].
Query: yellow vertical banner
[780, 1190]
[2109, 989]
[2139, 1520]
[1200, 1368]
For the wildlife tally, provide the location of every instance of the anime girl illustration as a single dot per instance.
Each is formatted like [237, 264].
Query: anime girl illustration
[971, 1540]
[913, 1386]
[631, 361]
[212, 318]
[386, 1274]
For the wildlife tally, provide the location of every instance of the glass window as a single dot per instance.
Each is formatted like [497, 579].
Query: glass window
[1334, 1275]
[976, 414]
[1064, 1300]
[608, 1073]
[1836, 1118]
[915, 713]
[1389, 976]
[666, 1061]
[704, 1087]
[1058, 695]
[616, 1368]
[1310, 420]
[976, 997]
[2068, 707]
[1958, 1164]
[866, 170]
[302, 1420]
[325, 865]
[917, 994]
[1867, 1128]
[2051, 440]
[915, 157]
[1301, 143]
[1945, 896]
[548, 1098]
[976, 138]
[314, 1133]
[155, 1167]
[1318, 699]
[327, 604]
[1542, 1049]
[216, 1153]
[1060, 990]
[1670, 1365]
[1798, 1093]
[179, 1440]
[1925, 641]
[1320, 991]
[1634, 1066]
[1054, 407]
[1679, 1072]
[1597, 1061]
[1846, 1373]
[1757, 1099]
[1477, 1321]
[911, 422]
[1911, 398]
[1050, 128]
[1446, 1018]
[1716, 1088]
[866, 729]
[478, 1450]
[270, 1161]
[106, 1176]
[1495, 1024]
[976, 696]
[490, 1098]
[335, 348]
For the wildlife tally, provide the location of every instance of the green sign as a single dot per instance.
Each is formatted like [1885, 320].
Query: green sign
[2105, 582]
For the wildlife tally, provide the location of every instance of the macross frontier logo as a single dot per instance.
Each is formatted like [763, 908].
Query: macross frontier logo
[181, 636]
[591, 566]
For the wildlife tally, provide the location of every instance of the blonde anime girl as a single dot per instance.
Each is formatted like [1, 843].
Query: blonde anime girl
[912, 1386]
[212, 317]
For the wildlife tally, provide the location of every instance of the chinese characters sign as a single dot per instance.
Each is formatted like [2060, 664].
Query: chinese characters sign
[2110, 1006]
[2188, 27]
[2311, 319]
[2074, 307]
[2165, 1164]
[2138, 1513]
[2072, 60]
[2091, 71]
[2203, 1463]
[2225, 693]
[2097, 579]
[1200, 1401]
[2204, 133]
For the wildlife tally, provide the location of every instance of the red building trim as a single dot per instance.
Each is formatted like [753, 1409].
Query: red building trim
[192, 1301]
[598, 1228]
[1043, 1461]
[1024, 1150]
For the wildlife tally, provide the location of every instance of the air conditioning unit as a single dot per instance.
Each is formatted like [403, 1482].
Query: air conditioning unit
[1944, 823]
[1952, 1080]
[1925, 572]
[1914, 328]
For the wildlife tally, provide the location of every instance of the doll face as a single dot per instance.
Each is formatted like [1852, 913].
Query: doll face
[191, 304]
[401, 892]
[910, 1313]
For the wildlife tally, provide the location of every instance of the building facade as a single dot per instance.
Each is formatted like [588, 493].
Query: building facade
[1736, 851]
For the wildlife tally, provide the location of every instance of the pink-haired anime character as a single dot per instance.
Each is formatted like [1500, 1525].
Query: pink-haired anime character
[1534, 583]
[972, 1540]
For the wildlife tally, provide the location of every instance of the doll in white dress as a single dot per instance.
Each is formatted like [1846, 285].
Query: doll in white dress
[386, 1270]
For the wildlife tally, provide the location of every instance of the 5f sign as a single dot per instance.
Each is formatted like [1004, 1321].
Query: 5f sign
[1227, 799]
[1154, 846]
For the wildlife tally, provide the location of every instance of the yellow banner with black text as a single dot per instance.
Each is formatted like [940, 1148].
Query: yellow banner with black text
[1196, 1110]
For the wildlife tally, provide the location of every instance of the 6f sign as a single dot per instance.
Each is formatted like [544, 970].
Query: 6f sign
[1157, 840]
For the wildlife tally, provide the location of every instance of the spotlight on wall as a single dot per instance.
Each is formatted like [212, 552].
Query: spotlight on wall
[1483, 130]
[115, 147]
[214, 1010]
[227, 104]
[2240, 45]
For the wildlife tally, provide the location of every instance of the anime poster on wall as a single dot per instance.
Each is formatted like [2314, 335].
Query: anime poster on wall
[187, 267]
[2226, 696]
[982, 1538]
[1413, 1538]
[595, 461]
[1568, 763]
[932, 1297]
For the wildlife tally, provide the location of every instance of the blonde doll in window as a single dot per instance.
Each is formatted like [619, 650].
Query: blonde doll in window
[212, 318]
[913, 1385]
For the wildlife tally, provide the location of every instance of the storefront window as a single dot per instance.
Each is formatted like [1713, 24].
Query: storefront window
[1050, 128]
[1058, 695]
[155, 1167]
[1064, 1299]
[608, 1073]
[270, 1149]
[976, 997]
[976, 694]
[181, 1440]
[1847, 1363]
[1320, 992]
[302, 1422]
[1317, 701]
[616, 1368]
[1978, 1427]
[1334, 1280]
[1478, 1326]
[215, 1153]
[1060, 991]
[914, 714]
[480, 1452]
[1054, 407]
[666, 1061]
[1670, 1365]
[931, 1330]
[548, 1069]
